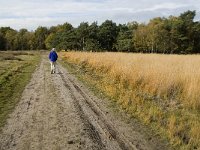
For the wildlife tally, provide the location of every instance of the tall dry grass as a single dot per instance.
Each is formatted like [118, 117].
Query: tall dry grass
[160, 89]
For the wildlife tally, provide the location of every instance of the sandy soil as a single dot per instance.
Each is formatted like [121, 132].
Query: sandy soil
[57, 112]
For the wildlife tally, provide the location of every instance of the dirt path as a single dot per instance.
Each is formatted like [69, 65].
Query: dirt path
[57, 112]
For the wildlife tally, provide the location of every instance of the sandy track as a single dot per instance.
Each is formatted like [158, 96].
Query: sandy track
[57, 112]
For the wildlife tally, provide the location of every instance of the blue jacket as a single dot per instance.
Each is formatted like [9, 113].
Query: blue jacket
[53, 56]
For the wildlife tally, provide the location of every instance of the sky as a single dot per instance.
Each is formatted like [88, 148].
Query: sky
[31, 14]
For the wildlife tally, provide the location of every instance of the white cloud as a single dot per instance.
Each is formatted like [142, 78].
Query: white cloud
[33, 13]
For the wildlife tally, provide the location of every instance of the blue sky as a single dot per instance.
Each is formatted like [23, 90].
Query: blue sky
[33, 13]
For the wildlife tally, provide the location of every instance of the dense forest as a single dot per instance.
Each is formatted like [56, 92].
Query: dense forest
[180, 35]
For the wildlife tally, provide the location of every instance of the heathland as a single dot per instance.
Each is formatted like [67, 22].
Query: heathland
[160, 90]
[56, 111]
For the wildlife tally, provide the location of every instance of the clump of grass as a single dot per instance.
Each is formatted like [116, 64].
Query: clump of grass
[13, 55]
[161, 90]
[9, 57]
[22, 53]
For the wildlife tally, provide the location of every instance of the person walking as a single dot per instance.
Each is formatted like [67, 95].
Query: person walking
[53, 57]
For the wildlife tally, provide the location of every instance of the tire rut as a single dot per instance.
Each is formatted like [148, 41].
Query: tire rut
[112, 131]
[108, 128]
[91, 130]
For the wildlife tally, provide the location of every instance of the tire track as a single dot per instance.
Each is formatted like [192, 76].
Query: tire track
[91, 130]
[109, 129]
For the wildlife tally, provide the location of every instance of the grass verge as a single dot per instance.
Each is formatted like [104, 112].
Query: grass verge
[16, 69]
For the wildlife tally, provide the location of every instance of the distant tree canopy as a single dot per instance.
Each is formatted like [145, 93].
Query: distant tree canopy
[180, 35]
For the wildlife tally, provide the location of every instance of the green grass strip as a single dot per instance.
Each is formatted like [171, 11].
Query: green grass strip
[13, 82]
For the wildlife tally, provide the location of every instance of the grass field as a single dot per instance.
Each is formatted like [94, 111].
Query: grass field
[15, 72]
[161, 90]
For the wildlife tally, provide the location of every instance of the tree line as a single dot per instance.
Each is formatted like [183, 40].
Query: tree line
[160, 35]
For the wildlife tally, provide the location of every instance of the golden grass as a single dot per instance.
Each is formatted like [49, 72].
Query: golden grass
[159, 89]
